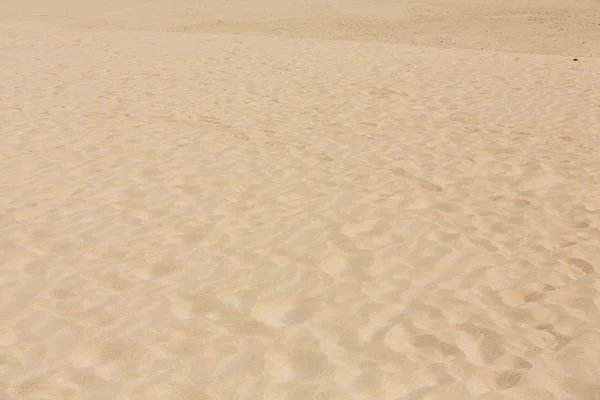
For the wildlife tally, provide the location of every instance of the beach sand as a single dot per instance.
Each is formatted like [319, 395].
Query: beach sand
[341, 200]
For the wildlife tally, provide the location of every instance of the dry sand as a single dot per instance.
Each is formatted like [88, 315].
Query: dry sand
[218, 201]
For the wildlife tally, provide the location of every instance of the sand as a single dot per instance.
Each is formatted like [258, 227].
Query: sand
[328, 200]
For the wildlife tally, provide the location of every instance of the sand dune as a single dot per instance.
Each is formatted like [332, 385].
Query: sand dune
[231, 213]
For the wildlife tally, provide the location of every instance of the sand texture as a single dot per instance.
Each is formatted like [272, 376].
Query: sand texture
[248, 209]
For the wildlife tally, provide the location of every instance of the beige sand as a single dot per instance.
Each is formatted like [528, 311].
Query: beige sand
[193, 209]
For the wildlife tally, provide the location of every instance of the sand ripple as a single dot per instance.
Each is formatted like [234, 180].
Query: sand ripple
[225, 217]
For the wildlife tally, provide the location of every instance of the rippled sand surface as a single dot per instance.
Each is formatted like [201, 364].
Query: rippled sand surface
[226, 213]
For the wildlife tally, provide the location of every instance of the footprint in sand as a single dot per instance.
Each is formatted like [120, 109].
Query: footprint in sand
[146, 270]
[432, 187]
[294, 363]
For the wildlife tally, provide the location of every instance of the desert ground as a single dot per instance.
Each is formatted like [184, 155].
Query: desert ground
[329, 200]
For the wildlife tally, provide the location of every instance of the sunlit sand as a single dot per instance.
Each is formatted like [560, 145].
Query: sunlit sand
[322, 200]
